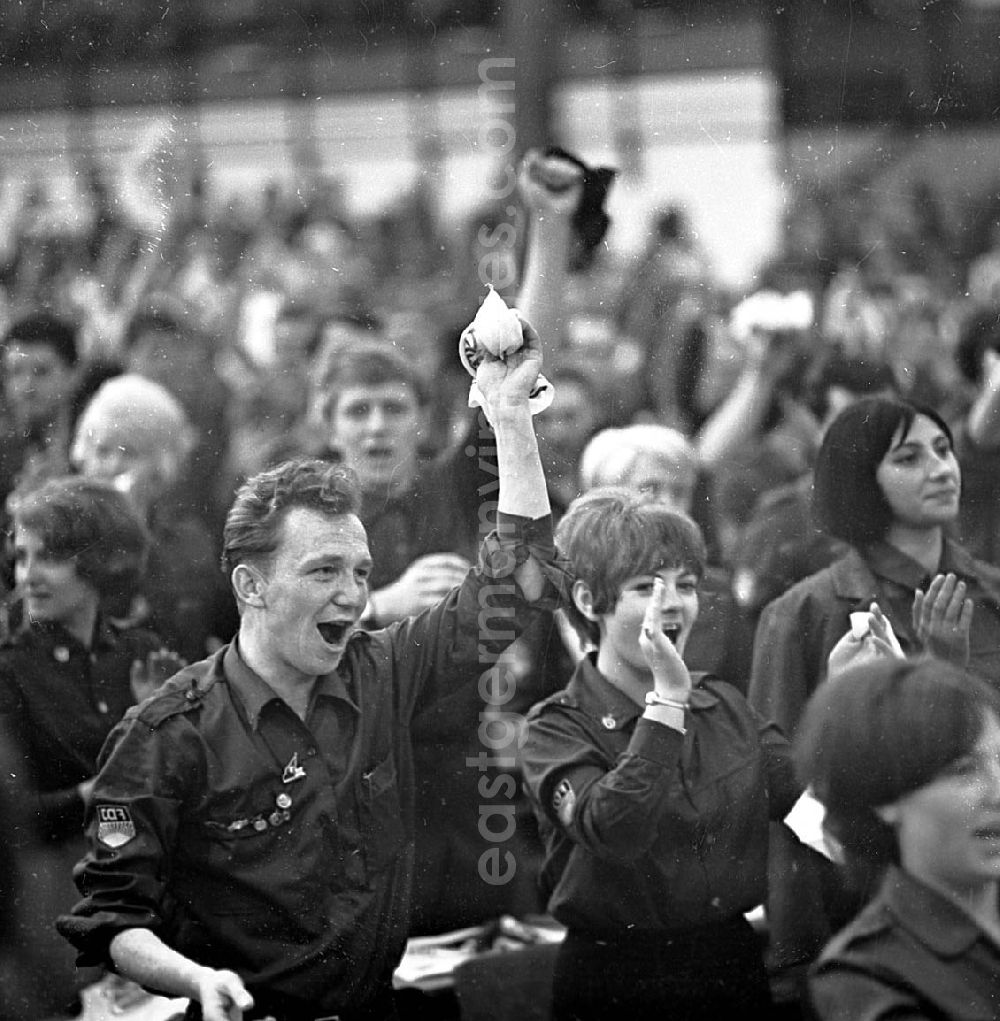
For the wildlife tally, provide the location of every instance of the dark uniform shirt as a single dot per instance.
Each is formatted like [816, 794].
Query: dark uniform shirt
[646, 827]
[282, 849]
[58, 701]
[435, 516]
[911, 953]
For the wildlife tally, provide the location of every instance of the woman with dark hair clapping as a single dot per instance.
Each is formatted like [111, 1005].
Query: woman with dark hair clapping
[887, 482]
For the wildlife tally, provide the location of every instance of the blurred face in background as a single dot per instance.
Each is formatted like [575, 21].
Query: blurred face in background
[136, 458]
[377, 429]
[662, 481]
[568, 422]
[36, 382]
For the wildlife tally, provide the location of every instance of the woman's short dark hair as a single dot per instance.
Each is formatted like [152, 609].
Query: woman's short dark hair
[89, 522]
[263, 501]
[611, 534]
[879, 731]
[848, 502]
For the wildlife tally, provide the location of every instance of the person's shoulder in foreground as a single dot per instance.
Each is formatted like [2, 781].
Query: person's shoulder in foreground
[911, 953]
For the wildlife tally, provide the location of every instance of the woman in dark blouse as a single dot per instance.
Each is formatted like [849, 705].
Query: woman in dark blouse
[653, 786]
[67, 674]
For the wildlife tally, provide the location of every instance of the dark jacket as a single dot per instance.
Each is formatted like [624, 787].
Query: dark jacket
[797, 631]
[911, 953]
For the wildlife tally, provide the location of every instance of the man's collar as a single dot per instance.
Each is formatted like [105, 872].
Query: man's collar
[255, 693]
[599, 698]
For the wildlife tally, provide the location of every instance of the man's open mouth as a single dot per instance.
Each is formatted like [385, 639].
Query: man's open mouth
[673, 632]
[334, 631]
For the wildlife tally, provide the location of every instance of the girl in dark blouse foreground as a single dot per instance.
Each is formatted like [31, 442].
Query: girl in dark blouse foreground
[905, 756]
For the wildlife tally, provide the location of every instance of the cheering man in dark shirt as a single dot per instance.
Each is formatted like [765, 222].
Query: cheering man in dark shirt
[251, 827]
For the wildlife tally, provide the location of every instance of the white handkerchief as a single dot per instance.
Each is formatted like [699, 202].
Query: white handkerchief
[805, 820]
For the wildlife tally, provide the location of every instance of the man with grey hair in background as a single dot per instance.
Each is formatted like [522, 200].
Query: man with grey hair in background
[136, 435]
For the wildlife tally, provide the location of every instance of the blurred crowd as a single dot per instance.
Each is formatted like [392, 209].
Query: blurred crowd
[168, 341]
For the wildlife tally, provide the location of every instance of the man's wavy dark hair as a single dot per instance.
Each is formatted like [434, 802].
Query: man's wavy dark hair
[252, 526]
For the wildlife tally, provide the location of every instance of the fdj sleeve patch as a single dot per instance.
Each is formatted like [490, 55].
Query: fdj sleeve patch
[114, 825]
[564, 801]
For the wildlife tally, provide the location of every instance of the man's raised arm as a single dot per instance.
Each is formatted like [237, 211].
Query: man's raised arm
[506, 384]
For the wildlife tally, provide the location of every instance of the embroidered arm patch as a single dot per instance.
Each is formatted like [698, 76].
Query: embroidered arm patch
[114, 825]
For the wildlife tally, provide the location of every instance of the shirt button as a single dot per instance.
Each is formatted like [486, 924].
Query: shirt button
[283, 801]
[102, 707]
[608, 722]
[61, 654]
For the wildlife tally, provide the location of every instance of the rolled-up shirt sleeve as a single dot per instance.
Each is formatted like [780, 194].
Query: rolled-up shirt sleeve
[514, 540]
[461, 638]
[131, 825]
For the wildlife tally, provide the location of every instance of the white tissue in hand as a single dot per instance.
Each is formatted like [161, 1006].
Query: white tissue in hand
[861, 627]
[497, 329]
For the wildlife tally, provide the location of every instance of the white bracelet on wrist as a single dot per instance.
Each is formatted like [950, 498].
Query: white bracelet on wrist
[655, 698]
